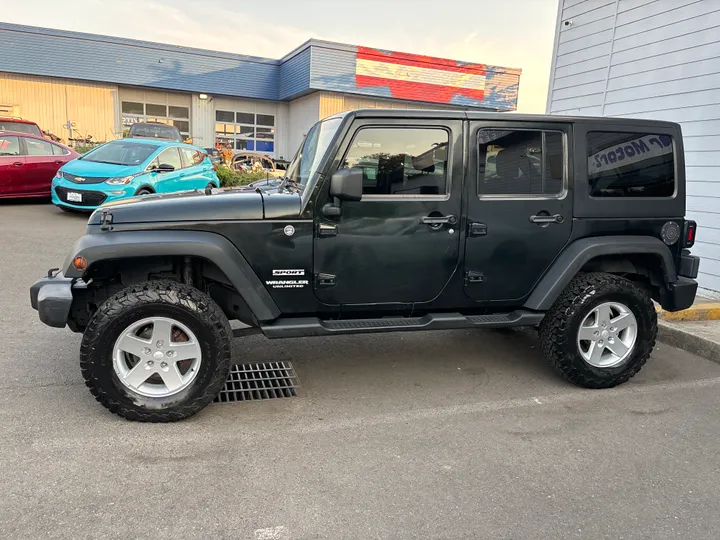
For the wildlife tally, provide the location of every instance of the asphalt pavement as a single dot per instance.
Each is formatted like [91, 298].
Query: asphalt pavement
[454, 434]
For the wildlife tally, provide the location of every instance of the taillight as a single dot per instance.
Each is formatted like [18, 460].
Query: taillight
[689, 234]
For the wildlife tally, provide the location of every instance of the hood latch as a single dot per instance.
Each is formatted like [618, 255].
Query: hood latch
[106, 219]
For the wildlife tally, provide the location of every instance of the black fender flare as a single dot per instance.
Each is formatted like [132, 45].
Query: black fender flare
[206, 245]
[578, 253]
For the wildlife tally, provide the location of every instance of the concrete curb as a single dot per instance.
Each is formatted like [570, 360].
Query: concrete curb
[687, 338]
[705, 311]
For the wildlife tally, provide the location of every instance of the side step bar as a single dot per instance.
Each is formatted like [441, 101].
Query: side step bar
[285, 327]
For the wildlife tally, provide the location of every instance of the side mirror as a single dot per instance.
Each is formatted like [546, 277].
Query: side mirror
[165, 167]
[347, 184]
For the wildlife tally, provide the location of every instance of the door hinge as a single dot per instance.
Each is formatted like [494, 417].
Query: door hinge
[473, 277]
[106, 219]
[325, 280]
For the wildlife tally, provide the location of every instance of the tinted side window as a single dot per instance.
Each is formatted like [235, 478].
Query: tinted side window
[520, 163]
[630, 165]
[171, 156]
[187, 156]
[59, 150]
[38, 148]
[9, 146]
[405, 161]
[191, 157]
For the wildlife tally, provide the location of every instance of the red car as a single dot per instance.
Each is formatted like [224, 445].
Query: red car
[28, 164]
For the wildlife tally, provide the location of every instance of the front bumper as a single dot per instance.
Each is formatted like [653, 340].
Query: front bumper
[52, 297]
[94, 195]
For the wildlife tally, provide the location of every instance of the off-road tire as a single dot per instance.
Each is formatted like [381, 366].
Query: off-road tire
[559, 328]
[156, 298]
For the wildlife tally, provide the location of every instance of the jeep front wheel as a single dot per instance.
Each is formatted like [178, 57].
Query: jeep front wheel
[600, 331]
[156, 352]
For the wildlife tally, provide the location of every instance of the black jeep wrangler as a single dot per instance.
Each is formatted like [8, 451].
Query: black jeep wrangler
[386, 221]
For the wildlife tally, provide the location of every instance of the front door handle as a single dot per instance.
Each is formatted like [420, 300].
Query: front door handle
[546, 218]
[18, 163]
[439, 220]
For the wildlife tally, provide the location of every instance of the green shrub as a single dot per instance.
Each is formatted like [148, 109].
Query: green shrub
[230, 178]
[83, 148]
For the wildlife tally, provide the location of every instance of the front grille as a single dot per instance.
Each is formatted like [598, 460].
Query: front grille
[267, 380]
[89, 198]
[84, 179]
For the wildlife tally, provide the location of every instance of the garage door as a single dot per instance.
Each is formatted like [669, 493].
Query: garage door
[152, 106]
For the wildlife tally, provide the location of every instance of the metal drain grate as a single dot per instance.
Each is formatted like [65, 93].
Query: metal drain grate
[266, 380]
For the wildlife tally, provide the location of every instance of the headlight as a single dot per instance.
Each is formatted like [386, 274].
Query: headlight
[59, 174]
[120, 180]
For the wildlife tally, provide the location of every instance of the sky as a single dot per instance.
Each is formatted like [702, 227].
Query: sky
[510, 33]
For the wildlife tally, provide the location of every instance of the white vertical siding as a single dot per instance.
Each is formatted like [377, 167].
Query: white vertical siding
[53, 102]
[303, 112]
[202, 122]
[651, 59]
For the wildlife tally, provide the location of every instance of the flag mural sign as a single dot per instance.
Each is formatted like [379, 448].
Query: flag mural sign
[412, 76]
[365, 71]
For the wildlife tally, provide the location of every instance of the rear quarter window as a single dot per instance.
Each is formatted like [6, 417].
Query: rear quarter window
[624, 164]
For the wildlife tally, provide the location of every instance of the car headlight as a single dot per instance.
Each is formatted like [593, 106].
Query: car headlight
[120, 180]
[59, 174]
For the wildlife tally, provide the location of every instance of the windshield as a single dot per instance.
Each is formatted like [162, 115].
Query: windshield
[307, 160]
[20, 127]
[155, 132]
[121, 153]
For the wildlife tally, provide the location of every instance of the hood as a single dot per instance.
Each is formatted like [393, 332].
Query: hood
[92, 169]
[193, 206]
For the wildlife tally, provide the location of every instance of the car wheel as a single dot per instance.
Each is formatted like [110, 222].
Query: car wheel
[143, 191]
[600, 331]
[156, 352]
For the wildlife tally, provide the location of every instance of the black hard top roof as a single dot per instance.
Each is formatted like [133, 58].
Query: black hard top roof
[499, 117]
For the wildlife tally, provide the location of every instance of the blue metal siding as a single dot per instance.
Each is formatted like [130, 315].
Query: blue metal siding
[295, 74]
[71, 55]
[315, 65]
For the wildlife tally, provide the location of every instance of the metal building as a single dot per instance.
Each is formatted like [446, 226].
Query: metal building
[77, 85]
[651, 59]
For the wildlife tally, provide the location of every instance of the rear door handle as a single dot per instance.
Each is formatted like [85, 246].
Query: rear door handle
[477, 229]
[540, 218]
[327, 229]
[439, 220]
[59, 162]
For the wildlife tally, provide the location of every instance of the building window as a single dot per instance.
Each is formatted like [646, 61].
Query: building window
[245, 131]
[134, 112]
[520, 163]
[630, 165]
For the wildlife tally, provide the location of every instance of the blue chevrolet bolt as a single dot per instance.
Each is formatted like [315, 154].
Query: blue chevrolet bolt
[129, 167]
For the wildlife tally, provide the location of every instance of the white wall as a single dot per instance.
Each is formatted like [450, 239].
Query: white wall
[302, 114]
[659, 60]
[202, 122]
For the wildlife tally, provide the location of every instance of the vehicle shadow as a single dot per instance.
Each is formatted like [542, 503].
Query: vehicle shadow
[410, 370]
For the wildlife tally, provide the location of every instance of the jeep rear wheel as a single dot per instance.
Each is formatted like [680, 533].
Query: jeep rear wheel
[600, 331]
[156, 352]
